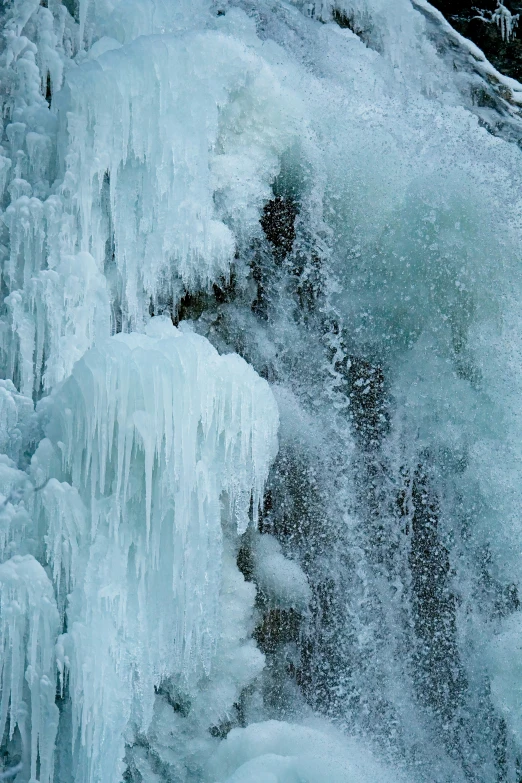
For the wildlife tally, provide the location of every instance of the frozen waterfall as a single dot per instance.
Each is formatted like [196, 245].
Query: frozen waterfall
[260, 396]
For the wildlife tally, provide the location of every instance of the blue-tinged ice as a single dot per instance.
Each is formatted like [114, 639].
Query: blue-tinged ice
[158, 448]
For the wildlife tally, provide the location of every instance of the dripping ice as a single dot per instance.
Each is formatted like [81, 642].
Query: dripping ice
[259, 407]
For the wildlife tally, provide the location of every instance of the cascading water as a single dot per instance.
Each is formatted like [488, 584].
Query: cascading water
[260, 418]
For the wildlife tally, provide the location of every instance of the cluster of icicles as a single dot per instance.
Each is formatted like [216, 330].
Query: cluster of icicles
[157, 449]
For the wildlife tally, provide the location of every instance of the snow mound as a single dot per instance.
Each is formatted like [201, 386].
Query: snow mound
[279, 752]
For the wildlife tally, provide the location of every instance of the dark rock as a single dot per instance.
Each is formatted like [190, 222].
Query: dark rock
[463, 15]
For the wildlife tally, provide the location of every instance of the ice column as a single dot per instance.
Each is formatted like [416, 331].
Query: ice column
[29, 626]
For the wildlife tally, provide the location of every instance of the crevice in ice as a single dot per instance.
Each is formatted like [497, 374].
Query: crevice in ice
[278, 224]
[369, 401]
[48, 89]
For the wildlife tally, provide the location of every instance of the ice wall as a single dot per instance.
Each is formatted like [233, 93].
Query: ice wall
[325, 190]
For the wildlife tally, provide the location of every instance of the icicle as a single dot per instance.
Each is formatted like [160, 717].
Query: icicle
[29, 626]
[135, 119]
[505, 21]
[15, 420]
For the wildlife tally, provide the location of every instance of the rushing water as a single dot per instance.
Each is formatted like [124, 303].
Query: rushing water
[260, 422]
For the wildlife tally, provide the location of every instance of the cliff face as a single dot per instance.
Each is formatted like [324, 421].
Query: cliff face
[505, 55]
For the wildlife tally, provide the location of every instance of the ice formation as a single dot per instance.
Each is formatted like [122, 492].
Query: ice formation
[157, 442]
[29, 624]
[260, 401]
[273, 751]
[503, 18]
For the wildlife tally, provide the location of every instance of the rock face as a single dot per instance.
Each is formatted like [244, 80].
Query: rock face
[505, 55]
